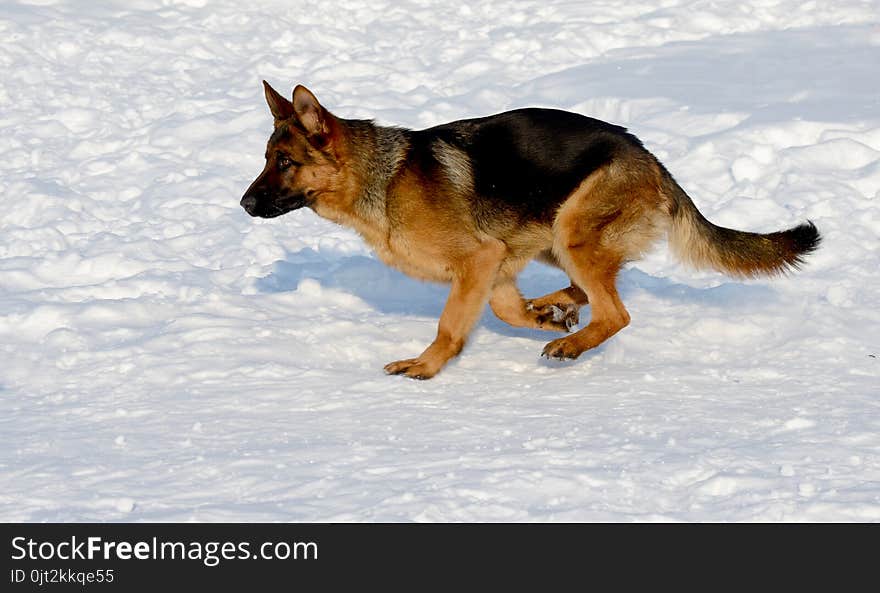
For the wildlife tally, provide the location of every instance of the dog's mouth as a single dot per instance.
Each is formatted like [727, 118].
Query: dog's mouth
[261, 209]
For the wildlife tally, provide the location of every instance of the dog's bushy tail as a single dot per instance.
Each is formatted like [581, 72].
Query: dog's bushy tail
[698, 242]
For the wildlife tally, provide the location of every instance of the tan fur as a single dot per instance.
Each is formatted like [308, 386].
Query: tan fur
[472, 280]
[573, 295]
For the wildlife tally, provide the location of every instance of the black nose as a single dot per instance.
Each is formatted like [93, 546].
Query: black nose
[248, 203]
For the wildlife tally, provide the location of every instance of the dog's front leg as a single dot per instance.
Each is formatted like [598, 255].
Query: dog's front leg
[472, 281]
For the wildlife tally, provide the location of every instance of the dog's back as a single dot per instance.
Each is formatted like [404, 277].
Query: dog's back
[525, 163]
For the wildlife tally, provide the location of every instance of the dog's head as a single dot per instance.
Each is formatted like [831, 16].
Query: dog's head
[303, 163]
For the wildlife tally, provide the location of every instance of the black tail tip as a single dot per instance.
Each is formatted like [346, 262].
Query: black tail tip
[805, 238]
[796, 243]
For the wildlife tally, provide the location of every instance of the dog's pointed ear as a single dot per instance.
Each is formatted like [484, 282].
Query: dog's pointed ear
[313, 118]
[280, 107]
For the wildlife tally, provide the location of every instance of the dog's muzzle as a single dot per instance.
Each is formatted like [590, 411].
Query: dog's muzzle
[261, 204]
[249, 203]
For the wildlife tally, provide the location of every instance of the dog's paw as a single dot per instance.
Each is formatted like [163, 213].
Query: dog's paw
[555, 317]
[562, 349]
[412, 367]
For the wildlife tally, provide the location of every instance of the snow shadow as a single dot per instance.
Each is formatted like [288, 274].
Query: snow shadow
[730, 294]
[367, 278]
[392, 292]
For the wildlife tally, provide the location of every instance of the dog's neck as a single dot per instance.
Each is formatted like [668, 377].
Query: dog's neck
[378, 153]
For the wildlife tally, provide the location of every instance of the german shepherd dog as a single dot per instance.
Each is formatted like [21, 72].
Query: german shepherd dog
[471, 202]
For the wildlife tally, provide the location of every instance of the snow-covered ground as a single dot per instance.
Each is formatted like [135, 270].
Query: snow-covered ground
[163, 356]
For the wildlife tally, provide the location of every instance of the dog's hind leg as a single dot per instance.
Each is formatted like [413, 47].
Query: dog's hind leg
[562, 304]
[598, 273]
[573, 295]
[509, 306]
[471, 284]
[614, 216]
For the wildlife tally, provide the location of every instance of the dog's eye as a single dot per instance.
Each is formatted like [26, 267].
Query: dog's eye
[285, 162]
